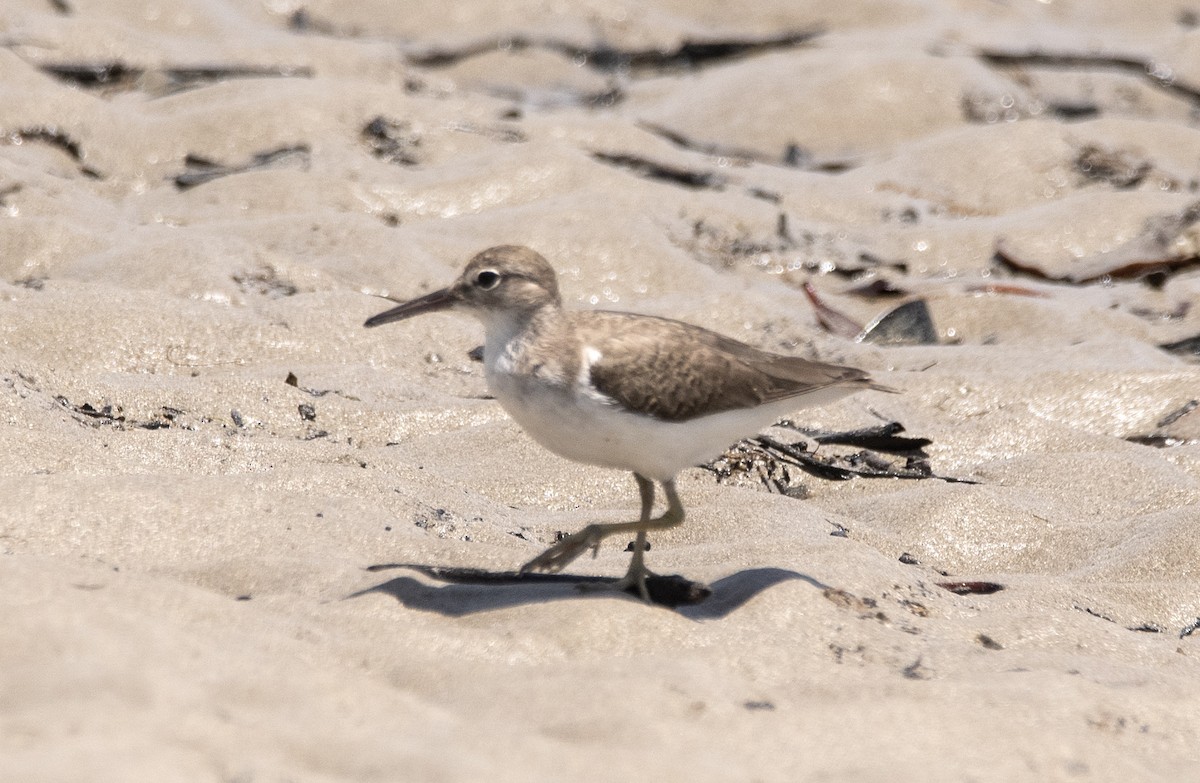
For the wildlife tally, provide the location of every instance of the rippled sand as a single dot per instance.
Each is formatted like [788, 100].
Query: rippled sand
[197, 202]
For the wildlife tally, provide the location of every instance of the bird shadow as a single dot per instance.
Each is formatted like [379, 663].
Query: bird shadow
[466, 591]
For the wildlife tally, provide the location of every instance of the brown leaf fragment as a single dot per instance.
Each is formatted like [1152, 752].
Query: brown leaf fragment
[832, 320]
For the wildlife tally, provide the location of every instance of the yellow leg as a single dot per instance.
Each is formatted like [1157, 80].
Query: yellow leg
[561, 554]
[637, 573]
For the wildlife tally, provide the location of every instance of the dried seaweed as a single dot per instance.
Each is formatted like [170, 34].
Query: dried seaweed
[768, 459]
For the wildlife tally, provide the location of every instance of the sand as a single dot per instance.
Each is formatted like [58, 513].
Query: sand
[184, 534]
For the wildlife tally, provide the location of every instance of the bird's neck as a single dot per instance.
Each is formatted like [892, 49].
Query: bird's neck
[509, 331]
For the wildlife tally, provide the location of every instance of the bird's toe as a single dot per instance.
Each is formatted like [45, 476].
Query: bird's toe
[559, 556]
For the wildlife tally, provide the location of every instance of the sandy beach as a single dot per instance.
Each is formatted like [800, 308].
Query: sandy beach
[203, 452]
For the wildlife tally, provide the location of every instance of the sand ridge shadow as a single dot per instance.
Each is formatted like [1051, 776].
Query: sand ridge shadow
[466, 591]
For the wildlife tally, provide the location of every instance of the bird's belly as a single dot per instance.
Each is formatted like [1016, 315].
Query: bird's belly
[586, 429]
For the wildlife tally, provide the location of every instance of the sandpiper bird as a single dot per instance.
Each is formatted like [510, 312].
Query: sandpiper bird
[644, 394]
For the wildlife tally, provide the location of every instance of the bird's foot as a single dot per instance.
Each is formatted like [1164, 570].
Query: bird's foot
[635, 578]
[559, 556]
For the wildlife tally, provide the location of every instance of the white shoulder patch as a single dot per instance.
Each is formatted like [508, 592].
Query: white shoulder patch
[589, 356]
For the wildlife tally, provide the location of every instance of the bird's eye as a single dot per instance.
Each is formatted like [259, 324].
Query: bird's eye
[487, 279]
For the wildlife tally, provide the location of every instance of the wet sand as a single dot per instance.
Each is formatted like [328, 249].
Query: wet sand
[197, 203]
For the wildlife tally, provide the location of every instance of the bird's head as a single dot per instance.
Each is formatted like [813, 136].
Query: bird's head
[506, 280]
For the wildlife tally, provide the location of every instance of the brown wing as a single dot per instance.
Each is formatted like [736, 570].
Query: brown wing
[675, 371]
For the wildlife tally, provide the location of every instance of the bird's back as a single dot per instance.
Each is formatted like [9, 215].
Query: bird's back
[676, 371]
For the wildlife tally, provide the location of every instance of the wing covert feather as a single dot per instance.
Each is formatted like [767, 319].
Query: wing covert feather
[675, 371]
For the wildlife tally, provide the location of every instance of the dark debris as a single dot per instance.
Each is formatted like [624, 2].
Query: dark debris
[94, 75]
[1178, 413]
[660, 171]
[113, 416]
[1150, 256]
[885, 437]
[115, 76]
[1157, 73]
[1189, 346]
[1118, 168]
[293, 381]
[987, 642]
[909, 323]
[771, 460]
[201, 170]
[1161, 440]
[55, 137]
[970, 587]
[609, 59]
[265, 281]
[393, 141]
[794, 156]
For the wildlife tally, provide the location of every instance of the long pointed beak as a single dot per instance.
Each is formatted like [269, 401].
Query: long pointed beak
[430, 303]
